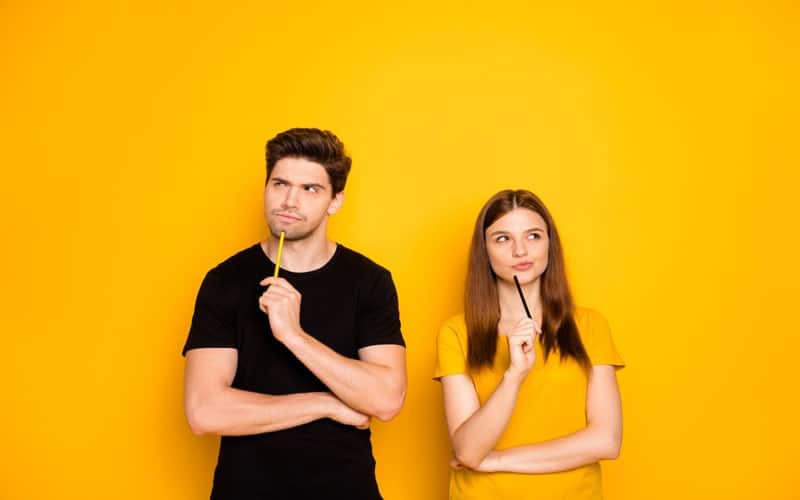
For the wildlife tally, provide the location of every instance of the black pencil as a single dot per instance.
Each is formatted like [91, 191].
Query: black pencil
[522, 297]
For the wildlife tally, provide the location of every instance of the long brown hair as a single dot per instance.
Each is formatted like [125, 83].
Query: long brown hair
[482, 305]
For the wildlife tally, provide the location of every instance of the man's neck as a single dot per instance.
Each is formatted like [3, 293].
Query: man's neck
[301, 256]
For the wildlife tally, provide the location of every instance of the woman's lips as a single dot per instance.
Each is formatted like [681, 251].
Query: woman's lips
[523, 266]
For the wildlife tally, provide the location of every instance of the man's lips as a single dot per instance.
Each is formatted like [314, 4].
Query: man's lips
[522, 266]
[288, 217]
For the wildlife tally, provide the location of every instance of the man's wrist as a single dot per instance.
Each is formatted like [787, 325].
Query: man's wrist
[293, 340]
[325, 403]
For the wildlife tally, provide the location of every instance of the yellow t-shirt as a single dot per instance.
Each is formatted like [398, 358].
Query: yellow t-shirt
[551, 403]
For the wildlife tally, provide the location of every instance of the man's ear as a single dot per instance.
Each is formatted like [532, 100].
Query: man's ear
[336, 203]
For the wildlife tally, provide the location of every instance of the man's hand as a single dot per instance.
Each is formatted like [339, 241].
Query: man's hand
[281, 302]
[343, 414]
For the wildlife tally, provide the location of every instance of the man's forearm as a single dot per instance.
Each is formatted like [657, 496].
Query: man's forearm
[367, 387]
[234, 412]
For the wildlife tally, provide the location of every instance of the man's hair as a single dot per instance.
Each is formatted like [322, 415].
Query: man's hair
[313, 144]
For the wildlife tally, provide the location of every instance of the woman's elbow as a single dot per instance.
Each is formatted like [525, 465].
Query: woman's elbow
[469, 460]
[610, 447]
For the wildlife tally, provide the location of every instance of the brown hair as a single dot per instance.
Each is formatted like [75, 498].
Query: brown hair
[482, 306]
[313, 144]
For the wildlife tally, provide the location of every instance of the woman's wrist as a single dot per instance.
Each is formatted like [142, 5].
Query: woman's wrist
[491, 462]
[515, 377]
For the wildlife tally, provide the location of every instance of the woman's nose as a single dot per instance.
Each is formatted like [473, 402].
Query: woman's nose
[519, 249]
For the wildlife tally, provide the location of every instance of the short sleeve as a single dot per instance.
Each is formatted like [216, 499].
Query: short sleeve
[378, 320]
[214, 318]
[598, 341]
[451, 354]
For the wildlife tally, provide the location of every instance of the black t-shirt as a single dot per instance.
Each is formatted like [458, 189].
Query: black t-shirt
[347, 304]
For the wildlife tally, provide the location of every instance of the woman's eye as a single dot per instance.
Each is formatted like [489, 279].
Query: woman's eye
[534, 236]
[501, 239]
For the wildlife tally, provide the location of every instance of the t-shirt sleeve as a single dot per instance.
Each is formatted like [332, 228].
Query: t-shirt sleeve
[214, 318]
[599, 344]
[378, 319]
[451, 355]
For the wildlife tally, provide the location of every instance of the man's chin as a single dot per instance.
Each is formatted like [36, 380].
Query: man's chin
[291, 234]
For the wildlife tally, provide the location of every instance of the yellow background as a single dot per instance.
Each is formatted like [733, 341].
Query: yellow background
[664, 138]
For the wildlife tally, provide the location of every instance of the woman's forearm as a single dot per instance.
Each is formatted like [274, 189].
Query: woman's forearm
[477, 435]
[583, 447]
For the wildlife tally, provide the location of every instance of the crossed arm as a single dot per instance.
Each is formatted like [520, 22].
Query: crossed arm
[475, 429]
[373, 385]
[212, 406]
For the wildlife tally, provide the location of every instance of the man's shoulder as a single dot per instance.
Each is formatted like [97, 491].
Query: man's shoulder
[360, 263]
[239, 264]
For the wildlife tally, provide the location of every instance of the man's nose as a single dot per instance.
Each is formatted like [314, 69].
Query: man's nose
[290, 200]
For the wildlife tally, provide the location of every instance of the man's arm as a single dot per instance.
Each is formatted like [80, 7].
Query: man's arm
[600, 439]
[212, 406]
[374, 384]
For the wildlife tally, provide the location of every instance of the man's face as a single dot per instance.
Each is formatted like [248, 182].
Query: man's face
[298, 198]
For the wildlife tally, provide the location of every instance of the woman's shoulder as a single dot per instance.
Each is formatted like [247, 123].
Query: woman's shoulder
[596, 336]
[590, 322]
[586, 315]
[456, 325]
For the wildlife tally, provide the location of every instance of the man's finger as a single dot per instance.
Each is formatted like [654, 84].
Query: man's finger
[280, 282]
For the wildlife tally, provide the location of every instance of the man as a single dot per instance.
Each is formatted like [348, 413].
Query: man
[289, 370]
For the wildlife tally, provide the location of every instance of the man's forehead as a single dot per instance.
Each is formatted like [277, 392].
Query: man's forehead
[301, 171]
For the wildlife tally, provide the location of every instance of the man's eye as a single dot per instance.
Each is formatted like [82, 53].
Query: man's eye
[312, 189]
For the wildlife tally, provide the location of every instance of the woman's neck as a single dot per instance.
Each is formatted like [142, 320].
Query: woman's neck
[511, 307]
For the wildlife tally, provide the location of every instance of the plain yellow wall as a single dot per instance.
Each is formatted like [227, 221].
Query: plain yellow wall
[664, 138]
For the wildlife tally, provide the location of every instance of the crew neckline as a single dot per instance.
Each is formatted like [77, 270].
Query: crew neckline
[286, 272]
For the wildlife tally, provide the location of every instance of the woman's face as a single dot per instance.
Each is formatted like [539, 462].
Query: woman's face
[517, 244]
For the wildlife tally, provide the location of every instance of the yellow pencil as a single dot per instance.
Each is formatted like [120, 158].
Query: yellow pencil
[278, 259]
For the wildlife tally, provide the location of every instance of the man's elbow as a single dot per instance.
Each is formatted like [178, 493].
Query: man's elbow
[199, 420]
[391, 406]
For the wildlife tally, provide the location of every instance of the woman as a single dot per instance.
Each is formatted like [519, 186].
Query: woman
[531, 403]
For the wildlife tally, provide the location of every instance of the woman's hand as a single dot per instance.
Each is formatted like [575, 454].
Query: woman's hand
[521, 348]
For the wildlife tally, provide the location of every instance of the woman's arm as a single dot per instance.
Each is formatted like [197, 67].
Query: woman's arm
[600, 439]
[475, 429]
